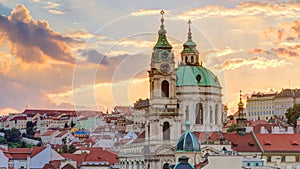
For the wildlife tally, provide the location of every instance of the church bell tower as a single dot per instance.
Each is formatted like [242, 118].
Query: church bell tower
[163, 120]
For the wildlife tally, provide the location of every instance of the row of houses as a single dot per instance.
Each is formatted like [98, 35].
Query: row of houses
[47, 158]
[265, 106]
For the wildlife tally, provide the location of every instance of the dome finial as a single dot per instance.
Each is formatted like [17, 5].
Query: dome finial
[162, 26]
[187, 125]
[190, 32]
[241, 104]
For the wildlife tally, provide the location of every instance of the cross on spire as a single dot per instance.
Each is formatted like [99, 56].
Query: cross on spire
[190, 32]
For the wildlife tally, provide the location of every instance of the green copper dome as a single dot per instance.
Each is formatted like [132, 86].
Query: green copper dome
[162, 42]
[196, 76]
[188, 141]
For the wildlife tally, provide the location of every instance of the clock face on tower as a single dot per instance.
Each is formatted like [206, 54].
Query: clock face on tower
[164, 67]
[164, 55]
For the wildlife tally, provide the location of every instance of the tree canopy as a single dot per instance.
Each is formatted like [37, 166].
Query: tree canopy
[292, 114]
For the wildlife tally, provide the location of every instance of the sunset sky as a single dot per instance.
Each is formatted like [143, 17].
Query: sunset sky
[94, 54]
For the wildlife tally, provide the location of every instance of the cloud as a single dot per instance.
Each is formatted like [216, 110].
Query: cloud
[34, 41]
[254, 62]
[288, 31]
[56, 12]
[289, 51]
[283, 10]
[144, 12]
[258, 51]
[95, 57]
[78, 34]
[51, 5]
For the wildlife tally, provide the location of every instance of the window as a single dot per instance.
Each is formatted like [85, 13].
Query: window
[165, 89]
[297, 158]
[187, 113]
[217, 114]
[192, 59]
[199, 114]
[269, 158]
[283, 159]
[166, 166]
[166, 131]
[210, 115]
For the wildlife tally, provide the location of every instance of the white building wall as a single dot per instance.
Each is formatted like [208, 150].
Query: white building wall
[3, 160]
[39, 160]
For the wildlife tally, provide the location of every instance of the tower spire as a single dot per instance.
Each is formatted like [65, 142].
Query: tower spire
[241, 104]
[190, 32]
[162, 42]
[162, 20]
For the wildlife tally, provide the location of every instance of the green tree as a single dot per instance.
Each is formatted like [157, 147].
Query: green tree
[292, 114]
[23, 144]
[64, 148]
[13, 135]
[72, 149]
[29, 129]
[232, 128]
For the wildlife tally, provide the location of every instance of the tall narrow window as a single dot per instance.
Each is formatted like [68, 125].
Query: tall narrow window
[216, 114]
[192, 59]
[199, 114]
[186, 60]
[166, 131]
[210, 115]
[148, 131]
[187, 113]
[165, 89]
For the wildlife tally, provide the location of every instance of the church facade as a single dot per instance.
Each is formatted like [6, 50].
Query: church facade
[187, 93]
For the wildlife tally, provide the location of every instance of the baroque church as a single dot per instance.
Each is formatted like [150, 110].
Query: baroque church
[183, 100]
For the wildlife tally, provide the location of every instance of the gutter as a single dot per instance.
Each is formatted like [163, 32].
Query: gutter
[256, 140]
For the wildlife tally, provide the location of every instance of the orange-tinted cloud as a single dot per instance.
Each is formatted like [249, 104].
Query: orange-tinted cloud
[253, 62]
[289, 51]
[34, 41]
[283, 10]
[258, 51]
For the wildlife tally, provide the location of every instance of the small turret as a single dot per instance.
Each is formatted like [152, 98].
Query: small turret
[240, 119]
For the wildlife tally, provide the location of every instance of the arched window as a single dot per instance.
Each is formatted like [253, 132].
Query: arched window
[166, 166]
[199, 113]
[186, 59]
[216, 114]
[166, 131]
[165, 89]
[192, 59]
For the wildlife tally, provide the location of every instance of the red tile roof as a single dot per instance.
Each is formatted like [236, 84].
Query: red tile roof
[212, 136]
[79, 158]
[68, 166]
[100, 155]
[49, 132]
[241, 143]
[49, 166]
[19, 118]
[279, 142]
[19, 153]
[2, 119]
[140, 138]
[36, 150]
[61, 134]
[268, 127]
